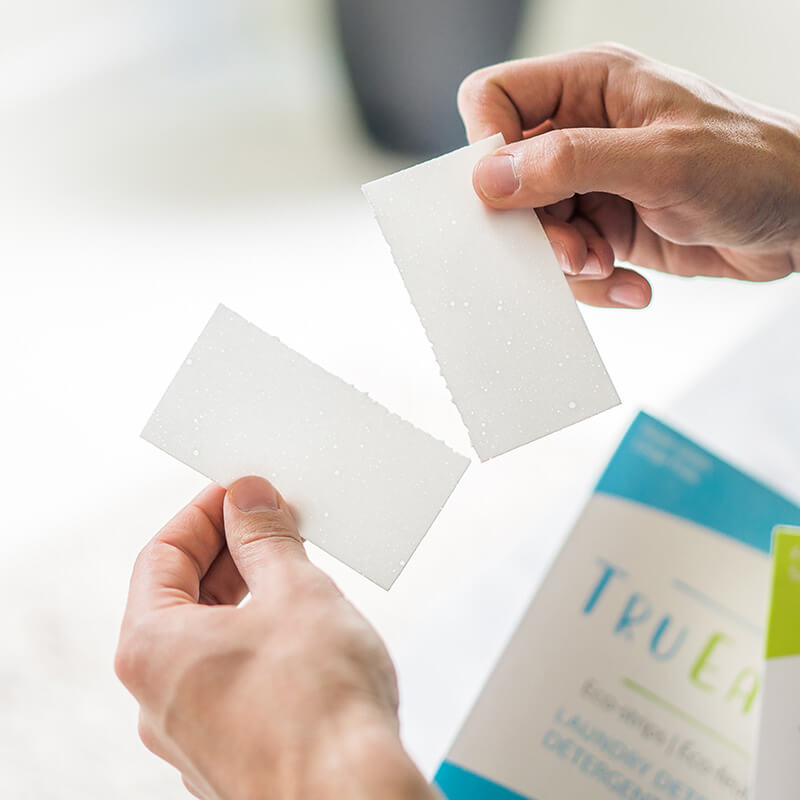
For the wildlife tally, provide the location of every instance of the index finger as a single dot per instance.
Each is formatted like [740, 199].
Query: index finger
[169, 569]
[518, 96]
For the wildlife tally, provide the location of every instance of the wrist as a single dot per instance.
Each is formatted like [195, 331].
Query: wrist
[789, 149]
[359, 756]
[364, 762]
[794, 251]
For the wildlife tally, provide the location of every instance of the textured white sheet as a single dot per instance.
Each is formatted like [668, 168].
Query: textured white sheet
[508, 336]
[366, 485]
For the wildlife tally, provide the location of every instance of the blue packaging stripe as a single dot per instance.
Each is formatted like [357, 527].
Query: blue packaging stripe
[659, 467]
[458, 783]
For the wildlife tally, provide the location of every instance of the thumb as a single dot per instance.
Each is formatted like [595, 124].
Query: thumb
[630, 162]
[261, 532]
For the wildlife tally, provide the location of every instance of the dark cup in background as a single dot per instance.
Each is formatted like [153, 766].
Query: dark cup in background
[406, 59]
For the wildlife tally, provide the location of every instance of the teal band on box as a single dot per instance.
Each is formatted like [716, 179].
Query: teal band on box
[658, 467]
[458, 783]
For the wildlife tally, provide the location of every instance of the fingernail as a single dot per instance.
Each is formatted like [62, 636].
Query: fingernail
[497, 176]
[629, 295]
[592, 268]
[562, 258]
[253, 494]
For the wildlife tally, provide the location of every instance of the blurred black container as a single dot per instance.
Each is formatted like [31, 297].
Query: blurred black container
[406, 59]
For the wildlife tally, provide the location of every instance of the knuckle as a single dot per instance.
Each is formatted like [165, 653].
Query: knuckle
[474, 89]
[147, 735]
[608, 269]
[144, 558]
[561, 156]
[193, 518]
[265, 525]
[190, 787]
[133, 655]
[148, 557]
[682, 161]
[616, 52]
[127, 663]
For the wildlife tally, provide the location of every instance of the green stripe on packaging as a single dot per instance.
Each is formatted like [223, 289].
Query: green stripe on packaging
[783, 630]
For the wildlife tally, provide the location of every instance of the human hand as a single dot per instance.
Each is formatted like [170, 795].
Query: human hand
[289, 696]
[625, 157]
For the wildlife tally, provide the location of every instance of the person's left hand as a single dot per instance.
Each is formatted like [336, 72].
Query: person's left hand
[291, 695]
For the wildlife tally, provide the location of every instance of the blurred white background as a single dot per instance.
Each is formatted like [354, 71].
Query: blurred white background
[158, 157]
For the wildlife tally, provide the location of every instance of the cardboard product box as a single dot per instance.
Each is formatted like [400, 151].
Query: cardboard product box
[636, 672]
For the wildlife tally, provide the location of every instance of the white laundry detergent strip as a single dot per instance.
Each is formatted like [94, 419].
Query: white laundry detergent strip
[511, 344]
[366, 484]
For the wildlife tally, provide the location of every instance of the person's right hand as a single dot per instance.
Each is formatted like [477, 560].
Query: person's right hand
[292, 695]
[627, 158]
